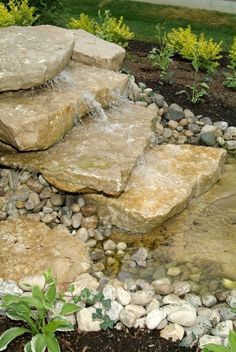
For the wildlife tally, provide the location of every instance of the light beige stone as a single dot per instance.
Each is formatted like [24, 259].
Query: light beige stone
[174, 332]
[93, 51]
[85, 281]
[96, 155]
[30, 56]
[35, 120]
[162, 185]
[29, 247]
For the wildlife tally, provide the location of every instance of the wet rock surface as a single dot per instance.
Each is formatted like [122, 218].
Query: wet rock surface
[162, 184]
[34, 120]
[79, 163]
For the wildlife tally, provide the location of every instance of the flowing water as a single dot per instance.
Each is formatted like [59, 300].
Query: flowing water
[201, 240]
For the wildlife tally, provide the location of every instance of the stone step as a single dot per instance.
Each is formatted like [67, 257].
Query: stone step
[30, 56]
[93, 51]
[30, 247]
[161, 186]
[36, 119]
[97, 155]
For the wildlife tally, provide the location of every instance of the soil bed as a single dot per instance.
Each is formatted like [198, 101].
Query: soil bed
[219, 105]
[132, 340]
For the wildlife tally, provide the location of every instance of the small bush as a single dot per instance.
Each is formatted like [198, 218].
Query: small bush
[6, 18]
[183, 41]
[17, 13]
[230, 77]
[107, 27]
[187, 44]
[84, 22]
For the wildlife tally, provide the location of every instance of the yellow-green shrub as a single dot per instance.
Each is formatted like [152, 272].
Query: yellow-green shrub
[107, 27]
[6, 18]
[187, 44]
[83, 22]
[19, 13]
[183, 41]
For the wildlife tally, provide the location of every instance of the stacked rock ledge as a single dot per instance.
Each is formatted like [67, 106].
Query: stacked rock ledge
[63, 90]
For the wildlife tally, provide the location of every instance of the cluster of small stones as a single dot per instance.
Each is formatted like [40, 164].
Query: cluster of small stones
[172, 308]
[27, 194]
[176, 125]
[31, 195]
[174, 298]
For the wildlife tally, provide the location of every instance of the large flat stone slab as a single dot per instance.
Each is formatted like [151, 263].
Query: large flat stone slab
[97, 155]
[30, 56]
[36, 119]
[162, 185]
[93, 51]
[30, 247]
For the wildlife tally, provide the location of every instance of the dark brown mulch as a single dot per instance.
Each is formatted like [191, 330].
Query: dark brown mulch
[219, 105]
[131, 340]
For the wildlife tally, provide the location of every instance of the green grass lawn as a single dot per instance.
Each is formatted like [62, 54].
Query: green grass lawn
[142, 18]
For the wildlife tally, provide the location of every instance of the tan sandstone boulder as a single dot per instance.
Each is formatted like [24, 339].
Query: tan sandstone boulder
[30, 247]
[93, 51]
[35, 120]
[30, 56]
[97, 155]
[162, 185]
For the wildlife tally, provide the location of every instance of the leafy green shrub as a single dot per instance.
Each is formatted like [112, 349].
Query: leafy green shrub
[107, 27]
[33, 310]
[187, 44]
[162, 56]
[6, 18]
[219, 348]
[17, 13]
[230, 80]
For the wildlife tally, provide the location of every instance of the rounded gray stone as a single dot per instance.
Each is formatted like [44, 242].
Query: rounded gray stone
[42, 52]
[208, 139]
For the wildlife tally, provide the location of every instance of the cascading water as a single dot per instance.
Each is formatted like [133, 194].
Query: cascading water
[95, 108]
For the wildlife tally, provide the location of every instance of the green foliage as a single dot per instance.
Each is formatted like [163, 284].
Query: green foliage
[162, 56]
[230, 77]
[107, 27]
[46, 10]
[17, 12]
[188, 45]
[196, 92]
[33, 310]
[231, 347]
[90, 298]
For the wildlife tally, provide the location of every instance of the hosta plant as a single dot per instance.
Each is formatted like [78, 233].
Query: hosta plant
[107, 27]
[33, 311]
[162, 56]
[231, 347]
